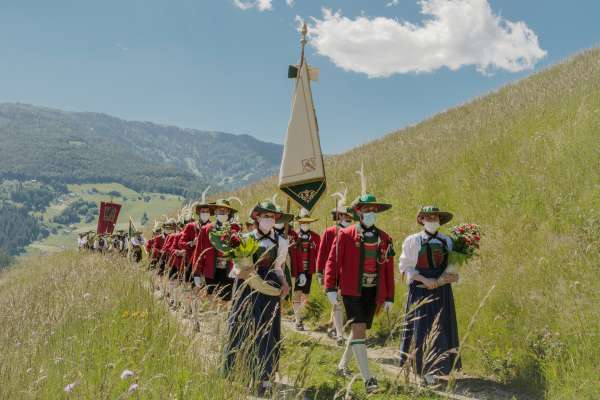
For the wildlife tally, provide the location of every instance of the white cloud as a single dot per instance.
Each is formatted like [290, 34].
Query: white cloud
[260, 5]
[455, 34]
[290, 3]
[392, 3]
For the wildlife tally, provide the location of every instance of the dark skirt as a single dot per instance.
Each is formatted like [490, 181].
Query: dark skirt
[254, 326]
[221, 284]
[441, 349]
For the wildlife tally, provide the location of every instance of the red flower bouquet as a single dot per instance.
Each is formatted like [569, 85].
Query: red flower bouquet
[465, 244]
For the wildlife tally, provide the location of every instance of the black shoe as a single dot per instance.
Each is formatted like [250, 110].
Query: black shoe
[344, 372]
[264, 389]
[300, 326]
[371, 386]
[340, 341]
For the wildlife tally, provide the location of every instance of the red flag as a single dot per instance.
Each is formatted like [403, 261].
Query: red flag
[109, 212]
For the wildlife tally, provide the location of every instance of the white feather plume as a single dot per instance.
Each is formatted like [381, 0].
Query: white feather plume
[236, 199]
[203, 199]
[342, 196]
[363, 179]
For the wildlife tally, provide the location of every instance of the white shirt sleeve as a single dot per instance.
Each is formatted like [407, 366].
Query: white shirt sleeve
[409, 256]
[282, 252]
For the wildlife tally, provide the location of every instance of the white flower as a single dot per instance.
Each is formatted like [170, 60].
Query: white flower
[70, 387]
[126, 374]
[86, 296]
[133, 388]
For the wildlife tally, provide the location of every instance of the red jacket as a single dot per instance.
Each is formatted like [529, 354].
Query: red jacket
[346, 268]
[166, 248]
[326, 242]
[176, 261]
[149, 245]
[205, 255]
[157, 245]
[189, 234]
[297, 251]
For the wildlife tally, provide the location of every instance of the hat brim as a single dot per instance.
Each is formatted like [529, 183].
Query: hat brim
[306, 220]
[198, 205]
[380, 207]
[445, 216]
[280, 216]
[213, 207]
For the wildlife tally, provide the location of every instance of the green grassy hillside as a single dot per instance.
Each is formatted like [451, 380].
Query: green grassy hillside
[135, 204]
[523, 162]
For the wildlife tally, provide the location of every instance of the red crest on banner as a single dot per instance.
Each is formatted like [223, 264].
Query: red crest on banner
[109, 212]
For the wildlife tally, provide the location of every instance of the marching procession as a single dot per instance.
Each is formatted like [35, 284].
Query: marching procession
[352, 260]
[268, 261]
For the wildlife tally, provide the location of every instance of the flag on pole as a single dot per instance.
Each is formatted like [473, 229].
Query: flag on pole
[302, 172]
[132, 228]
[109, 212]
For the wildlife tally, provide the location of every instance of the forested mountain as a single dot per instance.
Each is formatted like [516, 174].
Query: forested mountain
[79, 147]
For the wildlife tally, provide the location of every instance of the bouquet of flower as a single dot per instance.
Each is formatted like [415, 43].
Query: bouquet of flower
[232, 244]
[465, 243]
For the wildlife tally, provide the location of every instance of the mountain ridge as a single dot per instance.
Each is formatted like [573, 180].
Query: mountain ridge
[180, 160]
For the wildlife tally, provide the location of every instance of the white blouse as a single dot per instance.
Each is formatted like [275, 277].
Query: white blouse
[410, 252]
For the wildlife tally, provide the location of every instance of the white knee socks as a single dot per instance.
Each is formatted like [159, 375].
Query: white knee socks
[360, 352]
[338, 321]
[347, 356]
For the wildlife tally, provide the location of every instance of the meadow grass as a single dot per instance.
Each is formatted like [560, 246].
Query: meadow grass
[82, 320]
[74, 323]
[524, 163]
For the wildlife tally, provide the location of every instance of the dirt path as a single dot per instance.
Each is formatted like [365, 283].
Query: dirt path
[205, 323]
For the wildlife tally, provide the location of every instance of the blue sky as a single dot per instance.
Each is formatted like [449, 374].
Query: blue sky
[218, 65]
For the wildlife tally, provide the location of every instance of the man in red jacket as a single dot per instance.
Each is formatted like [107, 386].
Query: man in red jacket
[209, 262]
[304, 264]
[177, 253]
[342, 215]
[162, 247]
[199, 216]
[361, 265]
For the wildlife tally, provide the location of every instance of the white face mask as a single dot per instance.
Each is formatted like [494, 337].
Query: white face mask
[345, 223]
[204, 216]
[266, 224]
[368, 219]
[304, 227]
[222, 218]
[431, 227]
[279, 226]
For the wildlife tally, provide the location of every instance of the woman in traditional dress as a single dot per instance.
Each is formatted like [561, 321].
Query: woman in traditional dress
[423, 262]
[255, 318]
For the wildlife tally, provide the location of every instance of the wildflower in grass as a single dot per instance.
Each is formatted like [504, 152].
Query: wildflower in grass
[86, 296]
[133, 388]
[126, 374]
[69, 388]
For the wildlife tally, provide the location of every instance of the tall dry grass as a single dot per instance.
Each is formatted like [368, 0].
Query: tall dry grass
[524, 162]
[79, 321]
